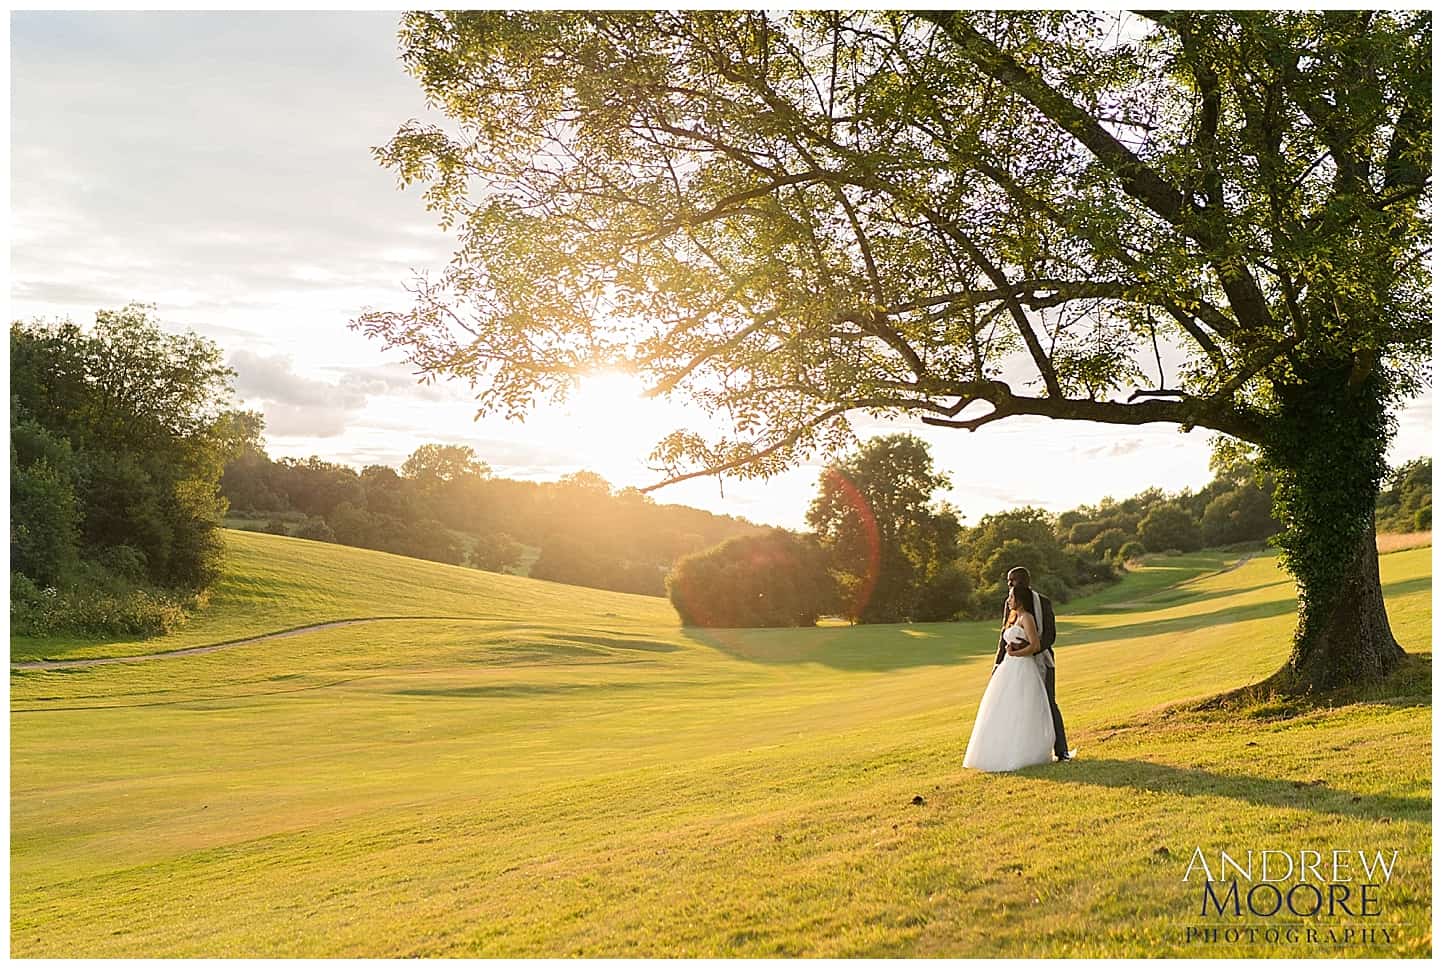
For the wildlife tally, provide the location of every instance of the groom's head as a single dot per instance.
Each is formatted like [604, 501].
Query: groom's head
[1018, 578]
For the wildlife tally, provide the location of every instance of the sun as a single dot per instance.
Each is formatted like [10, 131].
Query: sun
[607, 391]
[607, 425]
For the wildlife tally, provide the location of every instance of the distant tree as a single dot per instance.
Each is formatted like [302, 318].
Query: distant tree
[1021, 537]
[874, 514]
[318, 487]
[316, 530]
[441, 463]
[249, 483]
[1168, 526]
[448, 500]
[495, 552]
[1108, 543]
[148, 419]
[353, 525]
[1131, 551]
[946, 595]
[1083, 532]
[44, 511]
[587, 483]
[1243, 514]
[118, 438]
[565, 559]
[1405, 504]
[427, 539]
[387, 493]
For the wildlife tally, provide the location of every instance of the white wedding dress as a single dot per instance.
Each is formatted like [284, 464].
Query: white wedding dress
[1013, 724]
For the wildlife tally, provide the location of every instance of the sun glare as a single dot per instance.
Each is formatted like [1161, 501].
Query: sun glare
[611, 427]
[610, 390]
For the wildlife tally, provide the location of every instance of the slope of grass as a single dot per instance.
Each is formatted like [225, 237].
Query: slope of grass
[568, 772]
[273, 583]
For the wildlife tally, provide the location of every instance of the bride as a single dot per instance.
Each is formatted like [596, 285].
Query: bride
[1013, 724]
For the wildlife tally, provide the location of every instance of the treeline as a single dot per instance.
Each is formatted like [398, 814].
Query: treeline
[444, 504]
[1405, 503]
[884, 550]
[118, 437]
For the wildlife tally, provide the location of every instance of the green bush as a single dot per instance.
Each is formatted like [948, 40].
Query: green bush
[118, 437]
[1109, 543]
[1168, 526]
[316, 530]
[122, 561]
[945, 596]
[495, 552]
[93, 610]
[44, 521]
[773, 579]
[1131, 551]
[1240, 515]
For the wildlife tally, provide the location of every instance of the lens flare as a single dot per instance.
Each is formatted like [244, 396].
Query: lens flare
[870, 536]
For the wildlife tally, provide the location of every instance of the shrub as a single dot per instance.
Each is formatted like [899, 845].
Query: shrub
[93, 611]
[123, 561]
[772, 579]
[1241, 515]
[1108, 543]
[945, 595]
[1168, 526]
[495, 552]
[44, 521]
[316, 530]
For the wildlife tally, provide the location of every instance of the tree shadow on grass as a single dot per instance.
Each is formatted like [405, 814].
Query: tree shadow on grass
[648, 645]
[1314, 795]
[1067, 633]
[863, 648]
[876, 648]
[545, 689]
[1172, 596]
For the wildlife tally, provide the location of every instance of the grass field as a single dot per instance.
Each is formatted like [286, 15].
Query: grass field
[528, 768]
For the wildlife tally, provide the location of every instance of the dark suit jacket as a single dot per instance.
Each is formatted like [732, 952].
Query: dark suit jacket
[1048, 629]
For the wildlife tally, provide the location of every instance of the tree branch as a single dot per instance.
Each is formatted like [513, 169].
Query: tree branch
[1137, 178]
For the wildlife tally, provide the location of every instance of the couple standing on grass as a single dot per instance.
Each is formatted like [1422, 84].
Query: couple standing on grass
[1018, 723]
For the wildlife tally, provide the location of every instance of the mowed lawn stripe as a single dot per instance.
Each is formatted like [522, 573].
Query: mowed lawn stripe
[584, 779]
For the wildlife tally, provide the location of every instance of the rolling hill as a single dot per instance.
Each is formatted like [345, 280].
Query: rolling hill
[500, 766]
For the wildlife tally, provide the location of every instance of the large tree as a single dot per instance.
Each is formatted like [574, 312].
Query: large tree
[971, 216]
[874, 514]
[119, 435]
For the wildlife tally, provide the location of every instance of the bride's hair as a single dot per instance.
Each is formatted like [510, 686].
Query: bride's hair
[1020, 604]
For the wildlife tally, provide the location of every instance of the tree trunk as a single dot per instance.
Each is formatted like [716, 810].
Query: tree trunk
[1348, 639]
[1327, 446]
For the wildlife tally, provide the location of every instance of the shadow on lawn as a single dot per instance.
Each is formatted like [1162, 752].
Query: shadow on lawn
[1067, 633]
[1172, 596]
[869, 648]
[1314, 795]
[890, 646]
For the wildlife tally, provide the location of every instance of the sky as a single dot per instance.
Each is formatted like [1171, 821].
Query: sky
[218, 165]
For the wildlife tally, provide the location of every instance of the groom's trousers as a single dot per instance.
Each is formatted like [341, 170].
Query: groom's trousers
[1061, 747]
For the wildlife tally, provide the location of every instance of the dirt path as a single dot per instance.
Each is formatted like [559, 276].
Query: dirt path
[60, 664]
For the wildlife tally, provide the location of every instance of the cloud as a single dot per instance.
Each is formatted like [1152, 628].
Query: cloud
[1115, 449]
[162, 156]
[296, 405]
[400, 379]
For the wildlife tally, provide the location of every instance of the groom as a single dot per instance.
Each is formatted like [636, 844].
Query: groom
[1019, 580]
